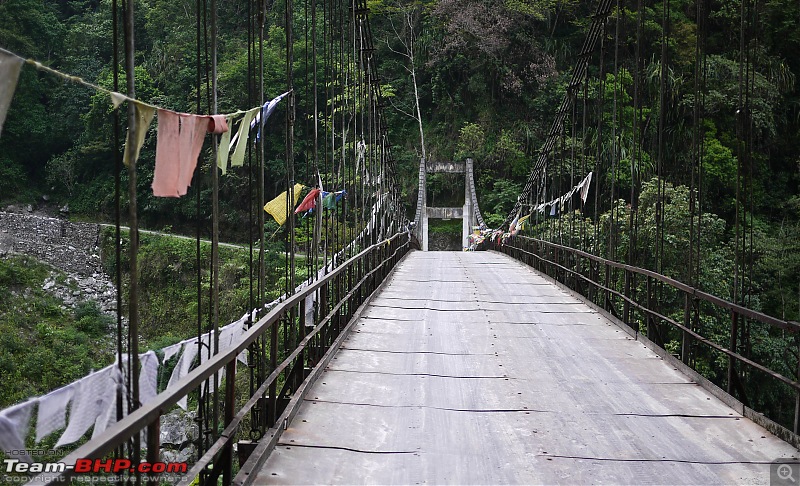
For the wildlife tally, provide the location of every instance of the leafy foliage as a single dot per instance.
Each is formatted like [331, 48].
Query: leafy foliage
[168, 299]
[490, 75]
[45, 345]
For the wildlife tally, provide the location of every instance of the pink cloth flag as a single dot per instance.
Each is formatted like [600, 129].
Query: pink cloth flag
[217, 124]
[180, 139]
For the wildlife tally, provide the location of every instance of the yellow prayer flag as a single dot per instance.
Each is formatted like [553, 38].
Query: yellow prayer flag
[277, 207]
[521, 222]
[133, 143]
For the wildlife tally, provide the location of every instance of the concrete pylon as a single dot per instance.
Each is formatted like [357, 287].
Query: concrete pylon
[469, 213]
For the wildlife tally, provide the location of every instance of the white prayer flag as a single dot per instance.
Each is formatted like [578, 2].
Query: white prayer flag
[52, 414]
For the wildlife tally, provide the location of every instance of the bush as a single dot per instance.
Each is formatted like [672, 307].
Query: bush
[44, 346]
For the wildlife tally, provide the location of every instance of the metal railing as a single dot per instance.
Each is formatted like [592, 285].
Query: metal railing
[287, 346]
[648, 303]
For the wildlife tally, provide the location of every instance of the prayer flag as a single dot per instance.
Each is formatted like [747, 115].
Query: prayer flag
[217, 124]
[14, 423]
[265, 112]
[117, 99]
[10, 67]
[144, 117]
[585, 187]
[52, 414]
[277, 207]
[521, 222]
[309, 202]
[224, 147]
[180, 139]
[237, 159]
[330, 199]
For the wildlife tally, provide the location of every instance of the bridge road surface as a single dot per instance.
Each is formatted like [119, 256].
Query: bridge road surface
[469, 368]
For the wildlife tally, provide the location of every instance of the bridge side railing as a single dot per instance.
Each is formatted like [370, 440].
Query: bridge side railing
[285, 346]
[648, 302]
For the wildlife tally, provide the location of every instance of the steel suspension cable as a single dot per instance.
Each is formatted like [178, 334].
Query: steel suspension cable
[133, 223]
[599, 152]
[200, 419]
[615, 138]
[662, 120]
[120, 397]
[636, 156]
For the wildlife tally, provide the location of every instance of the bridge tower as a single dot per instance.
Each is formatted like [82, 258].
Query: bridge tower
[469, 213]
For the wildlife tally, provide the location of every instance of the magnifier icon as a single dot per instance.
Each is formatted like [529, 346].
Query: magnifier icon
[785, 473]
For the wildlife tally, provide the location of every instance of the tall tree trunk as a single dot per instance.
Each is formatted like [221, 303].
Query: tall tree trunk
[410, 22]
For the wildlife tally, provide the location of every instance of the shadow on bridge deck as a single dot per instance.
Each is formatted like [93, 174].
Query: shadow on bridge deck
[469, 368]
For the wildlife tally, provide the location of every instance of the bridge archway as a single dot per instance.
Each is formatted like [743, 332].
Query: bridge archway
[469, 213]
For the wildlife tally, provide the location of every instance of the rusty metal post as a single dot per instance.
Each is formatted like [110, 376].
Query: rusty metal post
[337, 297]
[530, 258]
[626, 307]
[555, 262]
[338, 327]
[153, 446]
[687, 322]
[300, 366]
[323, 312]
[541, 261]
[384, 257]
[797, 393]
[362, 265]
[293, 332]
[633, 293]
[607, 296]
[230, 405]
[368, 267]
[302, 324]
[272, 399]
[650, 322]
[350, 271]
[376, 262]
[542, 252]
[731, 365]
[390, 260]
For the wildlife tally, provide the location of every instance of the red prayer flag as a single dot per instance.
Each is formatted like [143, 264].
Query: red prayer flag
[217, 124]
[309, 202]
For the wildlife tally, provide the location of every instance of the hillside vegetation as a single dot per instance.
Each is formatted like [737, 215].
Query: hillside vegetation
[44, 343]
[488, 76]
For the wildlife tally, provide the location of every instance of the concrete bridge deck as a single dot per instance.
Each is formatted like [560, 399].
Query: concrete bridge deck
[469, 368]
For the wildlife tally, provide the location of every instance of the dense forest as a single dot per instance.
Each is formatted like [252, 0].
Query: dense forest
[479, 79]
[470, 78]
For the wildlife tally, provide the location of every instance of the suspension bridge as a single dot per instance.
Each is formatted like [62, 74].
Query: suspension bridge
[552, 356]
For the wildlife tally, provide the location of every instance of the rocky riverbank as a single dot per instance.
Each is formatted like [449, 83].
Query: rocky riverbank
[72, 248]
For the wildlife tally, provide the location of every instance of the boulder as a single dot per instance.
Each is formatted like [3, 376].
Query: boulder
[187, 454]
[178, 429]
